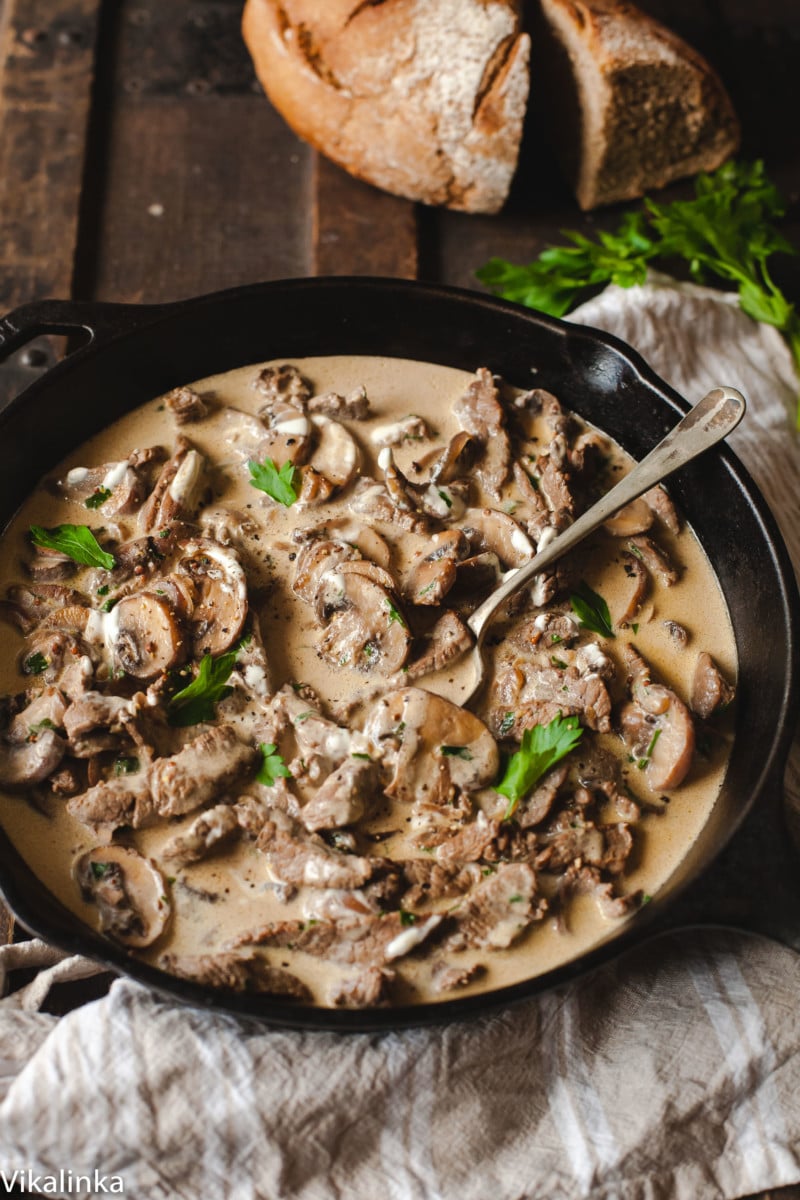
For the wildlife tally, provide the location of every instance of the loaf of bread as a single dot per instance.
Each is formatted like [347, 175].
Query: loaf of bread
[630, 106]
[424, 98]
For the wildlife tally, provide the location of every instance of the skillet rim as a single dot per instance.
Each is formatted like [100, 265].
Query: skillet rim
[108, 325]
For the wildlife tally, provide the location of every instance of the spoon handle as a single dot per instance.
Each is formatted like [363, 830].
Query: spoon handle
[707, 423]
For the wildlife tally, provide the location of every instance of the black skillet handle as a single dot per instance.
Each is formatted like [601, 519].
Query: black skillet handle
[96, 322]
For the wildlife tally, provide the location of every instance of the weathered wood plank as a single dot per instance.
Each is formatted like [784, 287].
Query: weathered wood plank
[358, 230]
[201, 185]
[46, 72]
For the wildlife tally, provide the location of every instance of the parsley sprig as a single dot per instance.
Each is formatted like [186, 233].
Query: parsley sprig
[591, 610]
[197, 701]
[542, 747]
[76, 541]
[726, 231]
[273, 766]
[277, 483]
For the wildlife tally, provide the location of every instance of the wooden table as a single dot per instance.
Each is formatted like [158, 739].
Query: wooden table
[140, 161]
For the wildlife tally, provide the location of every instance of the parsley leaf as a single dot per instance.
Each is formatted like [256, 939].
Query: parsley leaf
[273, 767]
[279, 484]
[591, 610]
[34, 664]
[542, 747]
[394, 615]
[456, 752]
[126, 766]
[727, 230]
[196, 702]
[76, 541]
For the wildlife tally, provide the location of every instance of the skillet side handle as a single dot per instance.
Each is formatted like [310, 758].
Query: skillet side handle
[97, 322]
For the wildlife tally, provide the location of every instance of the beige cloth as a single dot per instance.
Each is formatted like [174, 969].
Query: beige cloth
[673, 1074]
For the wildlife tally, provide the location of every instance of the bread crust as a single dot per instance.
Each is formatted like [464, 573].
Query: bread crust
[423, 98]
[640, 107]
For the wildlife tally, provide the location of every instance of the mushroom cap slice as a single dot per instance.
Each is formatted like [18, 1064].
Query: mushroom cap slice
[658, 726]
[26, 763]
[318, 556]
[365, 629]
[432, 745]
[336, 455]
[129, 891]
[367, 541]
[146, 639]
[220, 599]
[489, 529]
[636, 517]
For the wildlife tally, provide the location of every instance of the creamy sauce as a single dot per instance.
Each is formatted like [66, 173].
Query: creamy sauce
[228, 893]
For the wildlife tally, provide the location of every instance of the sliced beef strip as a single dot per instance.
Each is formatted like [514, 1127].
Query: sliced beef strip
[371, 988]
[710, 690]
[636, 570]
[447, 642]
[345, 797]
[119, 800]
[236, 972]
[284, 384]
[428, 881]
[26, 607]
[352, 407]
[210, 764]
[536, 806]
[654, 558]
[661, 504]
[372, 940]
[469, 844]
[548, 691]
[447, 977]
[498, 910]
[45, 711]
[94, 712]
[186, 405]
[306, 861]
[480, 414]
[213, 828]
[371, 499]
[582, 880]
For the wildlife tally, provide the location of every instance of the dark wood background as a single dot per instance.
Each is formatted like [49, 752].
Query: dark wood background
[140, 161]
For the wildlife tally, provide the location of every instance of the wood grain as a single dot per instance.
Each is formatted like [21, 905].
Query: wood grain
[358, 230]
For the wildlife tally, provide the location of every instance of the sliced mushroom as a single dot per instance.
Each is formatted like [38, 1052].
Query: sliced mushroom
[431, 745]
[117, 488]
[710, 690]
[367, 541]
[636, 517]
[657, 726]
[478, 573]
[146, 639]
[219, 595]
[489, 529]
[50, 566]
[365, 629]
[411, 428]
[129, 891]
[638, 572]
[317, 557]
[26, 763]
[29, 606]
[178, 490]
[336, 456]
[45, 711]
[661, 504]
[459, 456]
[326, 599]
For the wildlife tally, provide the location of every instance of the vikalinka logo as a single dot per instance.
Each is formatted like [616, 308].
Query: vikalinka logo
[61, 1183]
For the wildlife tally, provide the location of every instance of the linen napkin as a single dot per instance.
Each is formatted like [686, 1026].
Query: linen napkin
[673, 1073]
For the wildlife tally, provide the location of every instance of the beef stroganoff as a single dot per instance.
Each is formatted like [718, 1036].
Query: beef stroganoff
[230, 618]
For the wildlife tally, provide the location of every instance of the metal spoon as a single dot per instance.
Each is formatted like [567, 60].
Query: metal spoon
[709, 422]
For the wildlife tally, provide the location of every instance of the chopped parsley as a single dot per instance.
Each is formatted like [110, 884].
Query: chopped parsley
[558, 662]
[394, 615]
[277, 483]
[126, 766]
[34, 664]
[456, 752]
[76, 542]
[273, 766]
[99, 869]
[443, 496]
[365, 757]
[98, 497]
[648, 754]
[507, 724]
[407, 918]
[103, 591]
[591, 610]
[542, 747]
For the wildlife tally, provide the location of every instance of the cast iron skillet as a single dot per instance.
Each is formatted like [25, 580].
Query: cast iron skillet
[131, 354]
